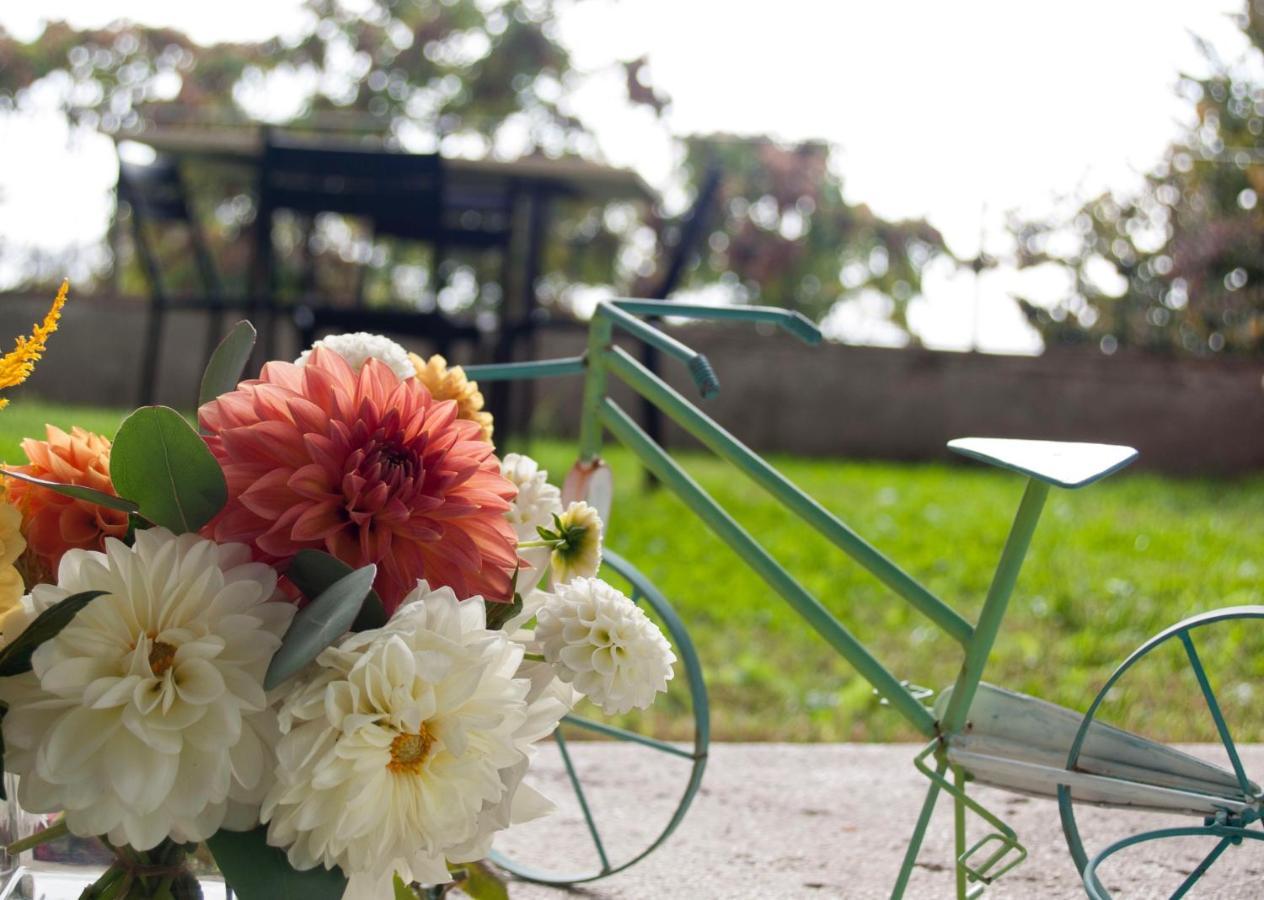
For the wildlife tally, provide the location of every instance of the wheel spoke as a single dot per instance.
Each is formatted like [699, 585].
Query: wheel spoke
[1221, 726]
[1201, 868]
[623, 734]
[583, 801]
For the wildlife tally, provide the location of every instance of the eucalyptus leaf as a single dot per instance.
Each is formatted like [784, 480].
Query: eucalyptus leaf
[255, 870]
[78, 491]
[161, 463]
[16, 657]
[312, 571]
[320, 623]
[224, 370]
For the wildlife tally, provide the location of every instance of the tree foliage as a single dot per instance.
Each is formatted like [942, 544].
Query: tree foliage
[784, 234]
[1173, 266]
[473, 76]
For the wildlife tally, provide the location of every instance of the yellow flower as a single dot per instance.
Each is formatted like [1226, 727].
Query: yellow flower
[451, 384]
[17, 365]
[12, 616]
[11, 541]
[579, 553]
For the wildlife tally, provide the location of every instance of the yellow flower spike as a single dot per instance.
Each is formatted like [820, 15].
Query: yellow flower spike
[17, 365]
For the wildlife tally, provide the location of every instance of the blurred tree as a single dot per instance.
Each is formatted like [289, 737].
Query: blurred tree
[783, 234]
[1176, 265]
[473, 76]
[455, 68]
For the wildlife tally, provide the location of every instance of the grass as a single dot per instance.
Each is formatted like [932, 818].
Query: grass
[1110, 566]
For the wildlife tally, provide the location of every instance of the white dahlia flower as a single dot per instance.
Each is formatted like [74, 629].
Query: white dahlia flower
[604, 645]
[534, 507]
[405, 746]
[579, 554]
[359, 347]
[145, 717]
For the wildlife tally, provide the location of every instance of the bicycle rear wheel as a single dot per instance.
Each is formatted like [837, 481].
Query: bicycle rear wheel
[1143, 846]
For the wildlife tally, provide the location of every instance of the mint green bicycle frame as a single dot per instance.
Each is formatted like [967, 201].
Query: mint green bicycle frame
[604, 361]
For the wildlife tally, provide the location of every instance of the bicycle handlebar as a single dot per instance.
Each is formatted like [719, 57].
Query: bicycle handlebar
[622, 313]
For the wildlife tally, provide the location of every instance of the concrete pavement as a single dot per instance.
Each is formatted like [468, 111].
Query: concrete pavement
[821, 821]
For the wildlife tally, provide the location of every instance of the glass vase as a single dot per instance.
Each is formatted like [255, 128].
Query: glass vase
[63, 869]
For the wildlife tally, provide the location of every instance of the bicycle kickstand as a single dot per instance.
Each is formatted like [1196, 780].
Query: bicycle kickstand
[987, 859]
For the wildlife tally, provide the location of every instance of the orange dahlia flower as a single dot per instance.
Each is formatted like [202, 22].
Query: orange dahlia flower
[54, 523]
[367, 467]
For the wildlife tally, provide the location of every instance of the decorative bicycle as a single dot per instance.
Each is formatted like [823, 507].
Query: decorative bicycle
[976, 731]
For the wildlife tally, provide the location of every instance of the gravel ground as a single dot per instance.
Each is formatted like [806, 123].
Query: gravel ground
[822, 821]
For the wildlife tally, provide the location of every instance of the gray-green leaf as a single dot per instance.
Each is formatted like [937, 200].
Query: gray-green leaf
[313, 571]
[162, 464]
[320, 623]
[255, 870]
[223, 371]
[16, 657]
[78, 491]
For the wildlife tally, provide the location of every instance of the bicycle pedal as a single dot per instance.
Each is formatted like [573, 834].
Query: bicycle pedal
[986, 867]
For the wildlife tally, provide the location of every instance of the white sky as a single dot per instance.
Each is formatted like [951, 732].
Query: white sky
[942, 110]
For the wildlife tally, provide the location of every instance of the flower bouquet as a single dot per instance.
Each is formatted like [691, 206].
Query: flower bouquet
[319, 634]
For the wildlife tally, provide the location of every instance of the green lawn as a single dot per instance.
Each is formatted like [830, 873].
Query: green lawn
[1110, 565]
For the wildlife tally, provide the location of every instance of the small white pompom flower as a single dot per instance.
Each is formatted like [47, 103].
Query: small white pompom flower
[579, 554]
[405, 746]
[537, 501]
[359, 347]
[604, 645]
[534, 507]
[145, 717]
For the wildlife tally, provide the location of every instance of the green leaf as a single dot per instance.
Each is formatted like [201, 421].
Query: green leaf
[16, 658]
[481, 883]
[78, 491]
[160, 462]
[500, 613]
[257, 871]
[402, 891]
[313, 571]
[223, 372]
[319, 624]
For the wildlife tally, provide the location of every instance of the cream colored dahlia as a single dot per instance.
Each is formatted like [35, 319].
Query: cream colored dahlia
[145, 717]
[535, 506]
[604, 645]
[579, 554]
[359, 347]
[405, 746]
[449, 383]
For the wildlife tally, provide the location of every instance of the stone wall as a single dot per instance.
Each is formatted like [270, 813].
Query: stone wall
[1185, 416]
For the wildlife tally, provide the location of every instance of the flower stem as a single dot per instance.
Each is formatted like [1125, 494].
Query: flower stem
[528, 545]
[51, 833]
